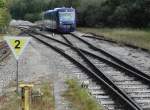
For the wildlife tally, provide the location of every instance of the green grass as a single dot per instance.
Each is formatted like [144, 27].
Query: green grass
[10, 102]
[46, 102]
[13, 31]
[79, 97]
[136, 37]
[1, 37]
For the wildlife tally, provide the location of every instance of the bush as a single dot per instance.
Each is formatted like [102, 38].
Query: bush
[118, 13]
[119, 17]
[4, 19]
[2, 3]
[32, 17]
[93, 13]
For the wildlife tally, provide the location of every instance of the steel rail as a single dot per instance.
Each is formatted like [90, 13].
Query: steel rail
[101, 37]
[102, 75]
[105, 79]
[7, 53]
[114, 64]
[82, 52]
[117, 60]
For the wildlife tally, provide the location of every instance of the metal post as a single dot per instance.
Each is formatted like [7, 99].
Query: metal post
[17, 90]
[26, 96]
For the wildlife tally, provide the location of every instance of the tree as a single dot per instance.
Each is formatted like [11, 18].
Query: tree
[28, 9]
[2, 3]
[4, 16]
[119, 13]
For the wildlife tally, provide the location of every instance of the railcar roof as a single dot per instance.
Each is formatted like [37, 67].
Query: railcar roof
[56, 9]
[49, 11]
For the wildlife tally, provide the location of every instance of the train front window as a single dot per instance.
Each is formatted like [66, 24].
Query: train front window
[66, 16]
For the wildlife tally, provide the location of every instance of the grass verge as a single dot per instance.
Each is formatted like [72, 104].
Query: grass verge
[46, 100]
[43, 101]
[13, 31]
[1, 37]
[9, 102]
[79, 97]
[136, 37]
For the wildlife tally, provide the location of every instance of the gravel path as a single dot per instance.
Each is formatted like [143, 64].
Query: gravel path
[58, 74]
[36, 62]
[7, 72]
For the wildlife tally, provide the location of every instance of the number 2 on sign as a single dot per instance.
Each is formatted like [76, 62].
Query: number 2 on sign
[17, 42]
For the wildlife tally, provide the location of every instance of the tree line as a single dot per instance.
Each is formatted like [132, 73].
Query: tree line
[91, 13]
[4, 15]
[117, 13]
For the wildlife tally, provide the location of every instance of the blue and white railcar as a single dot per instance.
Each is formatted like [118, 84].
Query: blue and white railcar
[60, 19]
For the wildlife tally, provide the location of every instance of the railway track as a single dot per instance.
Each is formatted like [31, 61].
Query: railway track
[102, 38]
[126, 80]
[108, 55]
[133, 56]
[4, 51]
[114, 85]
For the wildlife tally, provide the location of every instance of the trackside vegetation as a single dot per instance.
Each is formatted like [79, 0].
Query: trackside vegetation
[4, 16]
[79, 97]
[9, 102]
[42, 98]
[1, 37]
[136, 37]
[92, 13]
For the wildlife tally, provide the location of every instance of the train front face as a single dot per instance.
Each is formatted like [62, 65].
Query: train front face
[67, 20]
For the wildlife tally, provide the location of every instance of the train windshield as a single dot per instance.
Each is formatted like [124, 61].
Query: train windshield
[67, 16]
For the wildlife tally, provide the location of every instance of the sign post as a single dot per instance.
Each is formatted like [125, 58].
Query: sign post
[17, 45]
[17, 77]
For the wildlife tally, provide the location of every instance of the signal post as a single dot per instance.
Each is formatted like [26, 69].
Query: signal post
[25, 96]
